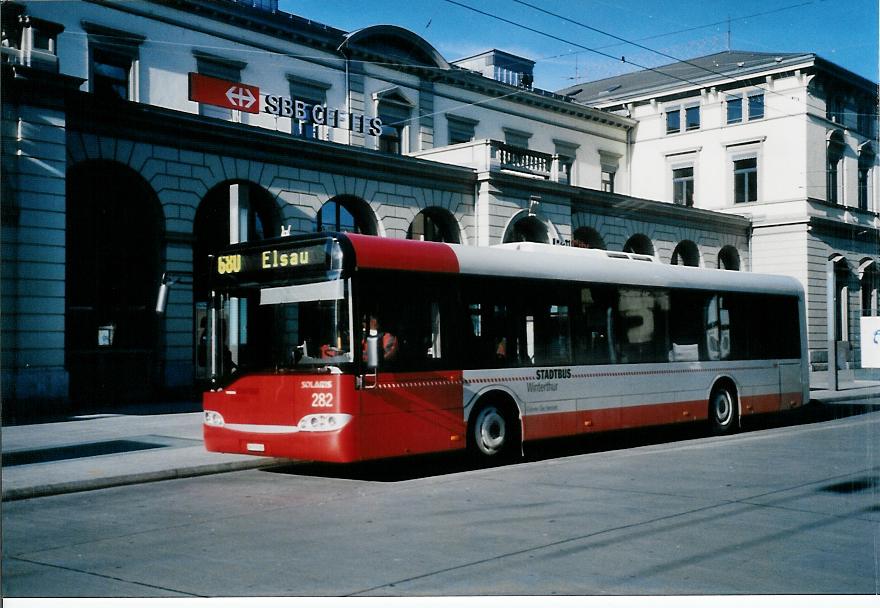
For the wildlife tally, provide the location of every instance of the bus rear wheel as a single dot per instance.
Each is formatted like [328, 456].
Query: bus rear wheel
[494, 434]
[722, 410]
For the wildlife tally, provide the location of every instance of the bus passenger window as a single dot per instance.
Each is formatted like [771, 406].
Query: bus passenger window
[552, 335]
[686, 328]
[641, 325]
[717, 329]
[409, 332]
[592, 327]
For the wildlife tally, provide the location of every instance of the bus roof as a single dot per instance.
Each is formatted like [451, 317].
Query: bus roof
[542, 261]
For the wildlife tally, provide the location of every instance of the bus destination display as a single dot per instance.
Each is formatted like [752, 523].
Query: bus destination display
[255, 262]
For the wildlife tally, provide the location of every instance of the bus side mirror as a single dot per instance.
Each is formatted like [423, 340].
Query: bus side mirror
[372, 352]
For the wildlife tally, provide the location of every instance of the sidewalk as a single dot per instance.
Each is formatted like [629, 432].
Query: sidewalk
[107, 450]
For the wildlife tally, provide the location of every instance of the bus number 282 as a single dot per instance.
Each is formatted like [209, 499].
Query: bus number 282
[322, 399]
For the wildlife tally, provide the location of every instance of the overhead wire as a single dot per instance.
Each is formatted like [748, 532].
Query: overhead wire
[597, 51]
[649, 49]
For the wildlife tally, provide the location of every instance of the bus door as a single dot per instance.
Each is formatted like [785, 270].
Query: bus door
[409, 402]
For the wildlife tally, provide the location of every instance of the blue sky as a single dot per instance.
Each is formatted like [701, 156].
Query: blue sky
[844, 32]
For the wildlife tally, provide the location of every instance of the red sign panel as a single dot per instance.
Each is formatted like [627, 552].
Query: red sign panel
[224, 93]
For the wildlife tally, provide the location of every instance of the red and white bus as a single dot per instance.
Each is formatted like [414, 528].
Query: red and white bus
[345, 347]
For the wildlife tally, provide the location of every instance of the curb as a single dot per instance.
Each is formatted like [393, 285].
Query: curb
[135, 478]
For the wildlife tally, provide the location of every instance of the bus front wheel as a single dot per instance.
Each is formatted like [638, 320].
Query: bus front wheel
[494, 434]
[722, 410]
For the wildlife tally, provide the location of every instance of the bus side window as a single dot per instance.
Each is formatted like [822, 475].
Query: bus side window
[717, 329]
[686, 325]
[640, 325]
[592, 326]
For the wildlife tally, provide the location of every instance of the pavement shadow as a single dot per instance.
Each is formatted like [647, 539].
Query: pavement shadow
[394, 470]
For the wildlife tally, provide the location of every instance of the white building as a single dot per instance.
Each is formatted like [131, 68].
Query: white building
[140, 135]
[787, 140]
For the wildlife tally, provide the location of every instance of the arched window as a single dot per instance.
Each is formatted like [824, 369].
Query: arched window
[835, 152]
[587, 238]
[528, 228]
[640, 244]
[728, 258]
[841, 295]
[346, 214]
[258, 219]
[866, 166]
[686, 253]
[395, 111]
[869, 285]
[434, 224]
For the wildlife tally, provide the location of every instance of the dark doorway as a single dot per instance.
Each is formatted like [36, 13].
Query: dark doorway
[114, 237]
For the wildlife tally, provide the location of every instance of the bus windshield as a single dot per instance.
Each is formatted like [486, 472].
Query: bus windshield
[276, 329]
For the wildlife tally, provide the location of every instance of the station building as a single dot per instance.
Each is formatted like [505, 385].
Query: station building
[140, 136]
[787, 140]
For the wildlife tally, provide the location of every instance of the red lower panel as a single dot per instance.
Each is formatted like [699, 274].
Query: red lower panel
[764, 404]
[411, 413]
[335, 446]
[543, 426]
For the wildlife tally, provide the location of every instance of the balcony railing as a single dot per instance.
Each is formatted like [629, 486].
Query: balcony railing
[493, 155]
[521, 160]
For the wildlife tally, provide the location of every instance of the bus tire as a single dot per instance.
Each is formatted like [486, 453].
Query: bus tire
[722, 410]
[493, 433]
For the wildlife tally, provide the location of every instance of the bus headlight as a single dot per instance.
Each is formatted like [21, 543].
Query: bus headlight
[323, 422]
[214, 418]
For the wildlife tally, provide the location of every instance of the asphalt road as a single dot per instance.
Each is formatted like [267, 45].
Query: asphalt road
[781, 509]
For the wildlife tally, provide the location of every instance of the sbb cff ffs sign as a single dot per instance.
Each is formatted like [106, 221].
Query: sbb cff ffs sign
[223, 93]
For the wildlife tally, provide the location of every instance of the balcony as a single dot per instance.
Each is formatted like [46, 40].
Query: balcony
[496, 156]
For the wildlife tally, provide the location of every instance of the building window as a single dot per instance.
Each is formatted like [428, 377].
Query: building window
[869, 286]
[692, 118]
[866, 163]
[346, 214]
[111, 75]
[867, 118]
[224, 69]
[673, 121]
[745, 180]
[434, 224]
[640, 244]
[394, 109]
[566, 153]
[756, 106]
[683, 186]
[734, 110]
[834, 158]
[834, 109]
[310, 93]
[587, 238]
[728, 258]
[461, 130]
[841, 293]
[113, 62]
[608, 181]
[686, 253]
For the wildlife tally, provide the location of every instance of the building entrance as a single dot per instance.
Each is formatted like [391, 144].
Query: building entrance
[114, 236]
